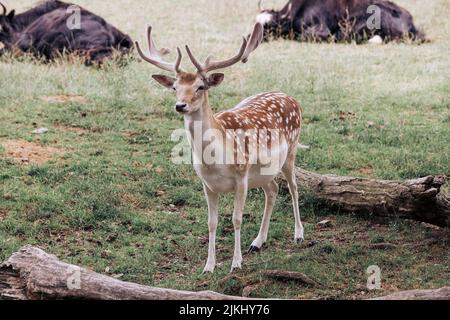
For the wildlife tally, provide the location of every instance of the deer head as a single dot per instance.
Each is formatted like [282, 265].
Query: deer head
[191, 88]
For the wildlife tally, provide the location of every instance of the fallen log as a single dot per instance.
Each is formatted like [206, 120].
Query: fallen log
[432, 294]
[419, 199]
[33, 274]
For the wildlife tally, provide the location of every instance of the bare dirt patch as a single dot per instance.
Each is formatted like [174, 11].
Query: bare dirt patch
[65, 99]
[344, 116]
[29, 152]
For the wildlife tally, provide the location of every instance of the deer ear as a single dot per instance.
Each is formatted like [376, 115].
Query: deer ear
[165, 81]
[215, 79]
[11, 14]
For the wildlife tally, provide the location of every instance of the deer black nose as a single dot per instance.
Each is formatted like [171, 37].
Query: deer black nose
[180, 107]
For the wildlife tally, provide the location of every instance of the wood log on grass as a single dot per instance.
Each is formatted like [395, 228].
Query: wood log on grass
[33, 274]
[431, 294]
[418, 199]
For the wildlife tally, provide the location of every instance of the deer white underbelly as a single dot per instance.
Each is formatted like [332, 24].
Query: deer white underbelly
[222, 177]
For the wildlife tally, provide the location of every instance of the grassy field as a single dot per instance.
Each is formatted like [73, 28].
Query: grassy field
[100, 190]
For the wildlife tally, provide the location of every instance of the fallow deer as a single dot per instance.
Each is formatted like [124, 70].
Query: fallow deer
[275, 113]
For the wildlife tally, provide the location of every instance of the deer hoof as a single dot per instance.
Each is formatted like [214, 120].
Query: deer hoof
[253, 249]
[208, 269]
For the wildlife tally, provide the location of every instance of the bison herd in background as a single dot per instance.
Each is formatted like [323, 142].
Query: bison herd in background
[44, 31]
[339, 20]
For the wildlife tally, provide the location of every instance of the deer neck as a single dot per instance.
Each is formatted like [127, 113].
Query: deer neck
[203, 118]
[198, 123]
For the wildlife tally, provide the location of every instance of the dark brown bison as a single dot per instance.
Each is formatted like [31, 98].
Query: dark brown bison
[54, 27]
[339, 20]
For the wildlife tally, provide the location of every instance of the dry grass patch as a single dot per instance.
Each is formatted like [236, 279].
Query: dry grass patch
[131, 200]
[66, 98]
[29, 152]
[77, 130]
[3, 214]
[366, 171]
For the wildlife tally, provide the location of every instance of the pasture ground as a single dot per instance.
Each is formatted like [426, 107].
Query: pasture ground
[109, 198]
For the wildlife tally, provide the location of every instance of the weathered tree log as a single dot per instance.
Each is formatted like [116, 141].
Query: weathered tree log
[419, 199]
[432, 294]
[32, 274]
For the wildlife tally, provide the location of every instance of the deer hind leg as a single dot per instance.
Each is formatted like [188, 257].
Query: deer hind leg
[288, 171]
[239, 204]
[270, 191]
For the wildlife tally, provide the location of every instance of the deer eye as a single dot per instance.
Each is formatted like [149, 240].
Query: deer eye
[174, 89]
[200, 88]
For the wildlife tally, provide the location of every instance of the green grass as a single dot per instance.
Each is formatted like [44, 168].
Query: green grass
[114, 200]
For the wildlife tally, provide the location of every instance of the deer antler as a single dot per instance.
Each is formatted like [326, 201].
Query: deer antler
[249, 44]
[155, 55]
[254, 40]
[260, 5]
[4, 9]
[210, 65]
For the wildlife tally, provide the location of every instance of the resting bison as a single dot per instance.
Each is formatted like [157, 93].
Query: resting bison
[46, 32]
[339, 20]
